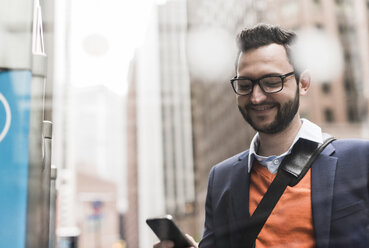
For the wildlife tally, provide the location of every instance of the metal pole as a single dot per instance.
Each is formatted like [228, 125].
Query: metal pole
[53, 197]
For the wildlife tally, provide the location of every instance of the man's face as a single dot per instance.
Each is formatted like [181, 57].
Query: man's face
[268, 113]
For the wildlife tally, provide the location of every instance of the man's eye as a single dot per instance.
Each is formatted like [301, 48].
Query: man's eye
[271, 82]
[244, 85]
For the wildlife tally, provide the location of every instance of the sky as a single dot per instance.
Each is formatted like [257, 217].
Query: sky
[104, 37]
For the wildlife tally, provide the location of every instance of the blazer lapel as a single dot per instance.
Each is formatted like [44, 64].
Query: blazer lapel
[240, 195]
[322, 182]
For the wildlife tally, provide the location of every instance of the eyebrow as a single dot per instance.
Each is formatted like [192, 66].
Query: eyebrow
[265, 75]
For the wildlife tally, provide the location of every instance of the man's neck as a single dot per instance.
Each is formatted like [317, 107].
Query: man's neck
[279, 143]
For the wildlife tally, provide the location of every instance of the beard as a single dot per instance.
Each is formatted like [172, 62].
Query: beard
[285, 114]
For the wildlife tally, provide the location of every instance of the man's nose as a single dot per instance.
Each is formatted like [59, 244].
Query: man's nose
[258, 95]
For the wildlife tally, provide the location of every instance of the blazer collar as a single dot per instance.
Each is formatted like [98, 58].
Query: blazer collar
[240, 190]
[322, 181]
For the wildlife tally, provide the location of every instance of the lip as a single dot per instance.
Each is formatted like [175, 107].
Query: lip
[262, 108]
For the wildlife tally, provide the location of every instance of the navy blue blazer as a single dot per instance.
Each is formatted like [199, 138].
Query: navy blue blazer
[339, 195]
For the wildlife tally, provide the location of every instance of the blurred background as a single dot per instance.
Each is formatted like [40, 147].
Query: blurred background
[139, 98]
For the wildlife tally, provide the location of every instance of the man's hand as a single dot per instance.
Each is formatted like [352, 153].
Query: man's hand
[164, 244]
[170, 244]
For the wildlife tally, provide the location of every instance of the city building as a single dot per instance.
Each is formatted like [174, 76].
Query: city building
[92, 181]
[162, 136]
[130, 220]
[149, 134]
[89, 135]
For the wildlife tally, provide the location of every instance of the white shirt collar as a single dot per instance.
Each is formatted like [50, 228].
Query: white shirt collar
[308, 131]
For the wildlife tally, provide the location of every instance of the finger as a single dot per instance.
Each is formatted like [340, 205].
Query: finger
[195, 245]
[156, 245]
[164, 244]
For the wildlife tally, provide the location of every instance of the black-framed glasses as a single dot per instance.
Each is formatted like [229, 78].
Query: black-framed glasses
[269, 84]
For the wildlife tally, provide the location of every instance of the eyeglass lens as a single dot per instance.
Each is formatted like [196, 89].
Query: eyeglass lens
[268, 84]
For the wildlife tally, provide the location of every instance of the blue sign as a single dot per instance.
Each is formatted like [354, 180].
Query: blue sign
[15, 95]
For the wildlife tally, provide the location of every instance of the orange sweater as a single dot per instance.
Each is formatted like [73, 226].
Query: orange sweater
[290, 223]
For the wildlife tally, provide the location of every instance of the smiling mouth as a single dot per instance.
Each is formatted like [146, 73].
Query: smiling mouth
[262, 107]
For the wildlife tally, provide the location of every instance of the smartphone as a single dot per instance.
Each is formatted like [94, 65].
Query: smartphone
[165, 229]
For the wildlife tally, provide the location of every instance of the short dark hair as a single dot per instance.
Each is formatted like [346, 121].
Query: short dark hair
[265, 34]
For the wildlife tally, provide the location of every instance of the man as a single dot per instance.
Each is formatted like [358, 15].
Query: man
[329, 206]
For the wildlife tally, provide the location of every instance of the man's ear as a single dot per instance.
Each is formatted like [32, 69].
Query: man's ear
[304, 83]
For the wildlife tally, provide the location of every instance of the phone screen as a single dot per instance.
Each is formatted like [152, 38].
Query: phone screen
[166, 229]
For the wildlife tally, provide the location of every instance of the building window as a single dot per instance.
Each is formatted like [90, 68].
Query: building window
[339, 2]
[319, 26]
[348, 85]
[352, 115]
[328, 115]
[326, 88]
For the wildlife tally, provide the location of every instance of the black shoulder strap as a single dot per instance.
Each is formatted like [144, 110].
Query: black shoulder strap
[292, 169]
